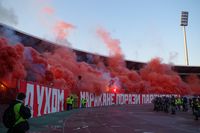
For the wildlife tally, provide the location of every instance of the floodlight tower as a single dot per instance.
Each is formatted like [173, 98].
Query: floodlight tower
[184, 22]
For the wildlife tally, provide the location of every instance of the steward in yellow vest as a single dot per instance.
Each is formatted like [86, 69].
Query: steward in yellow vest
[69, 102]
[83, 103]
[21, 113]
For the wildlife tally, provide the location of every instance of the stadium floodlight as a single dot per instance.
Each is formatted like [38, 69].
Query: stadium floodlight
[184, 22]
[184, 18]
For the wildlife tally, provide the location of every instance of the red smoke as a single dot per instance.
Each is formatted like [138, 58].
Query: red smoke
[112, 44]
[11, 63]
[155, 77]
[50, 21]
[194, 83]
[161, 78]
[48, 10]
[60, 69]
[62, 64]
[130, 80]
[62, 28]
[73, 75]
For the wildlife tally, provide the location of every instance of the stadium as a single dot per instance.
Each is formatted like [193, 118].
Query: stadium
[178, 78]
[27, 60]
[99, 66]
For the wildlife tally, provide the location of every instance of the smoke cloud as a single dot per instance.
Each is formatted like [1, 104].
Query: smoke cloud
[194, 83]
[162, 78]
[48, 10]
[59, 68]
[11, 63]
[7, 15]
[49, 20]
[10, 35]
[61, 29]
[172, 57]
[112, 44]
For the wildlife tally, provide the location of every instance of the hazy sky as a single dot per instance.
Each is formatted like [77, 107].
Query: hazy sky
[145, 28]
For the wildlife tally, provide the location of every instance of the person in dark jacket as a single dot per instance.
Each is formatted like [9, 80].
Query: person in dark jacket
[197, 109]
[22, 113]
[173, 105]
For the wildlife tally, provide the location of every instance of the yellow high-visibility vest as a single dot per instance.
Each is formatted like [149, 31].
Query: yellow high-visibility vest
[18, 117]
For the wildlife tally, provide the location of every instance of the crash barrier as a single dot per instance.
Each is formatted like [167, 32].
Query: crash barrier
[44, 100]
[108, 99]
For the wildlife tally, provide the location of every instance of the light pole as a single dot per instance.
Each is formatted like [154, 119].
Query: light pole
[184, 22]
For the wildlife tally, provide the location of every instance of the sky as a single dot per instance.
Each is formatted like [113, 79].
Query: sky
[146, 28]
